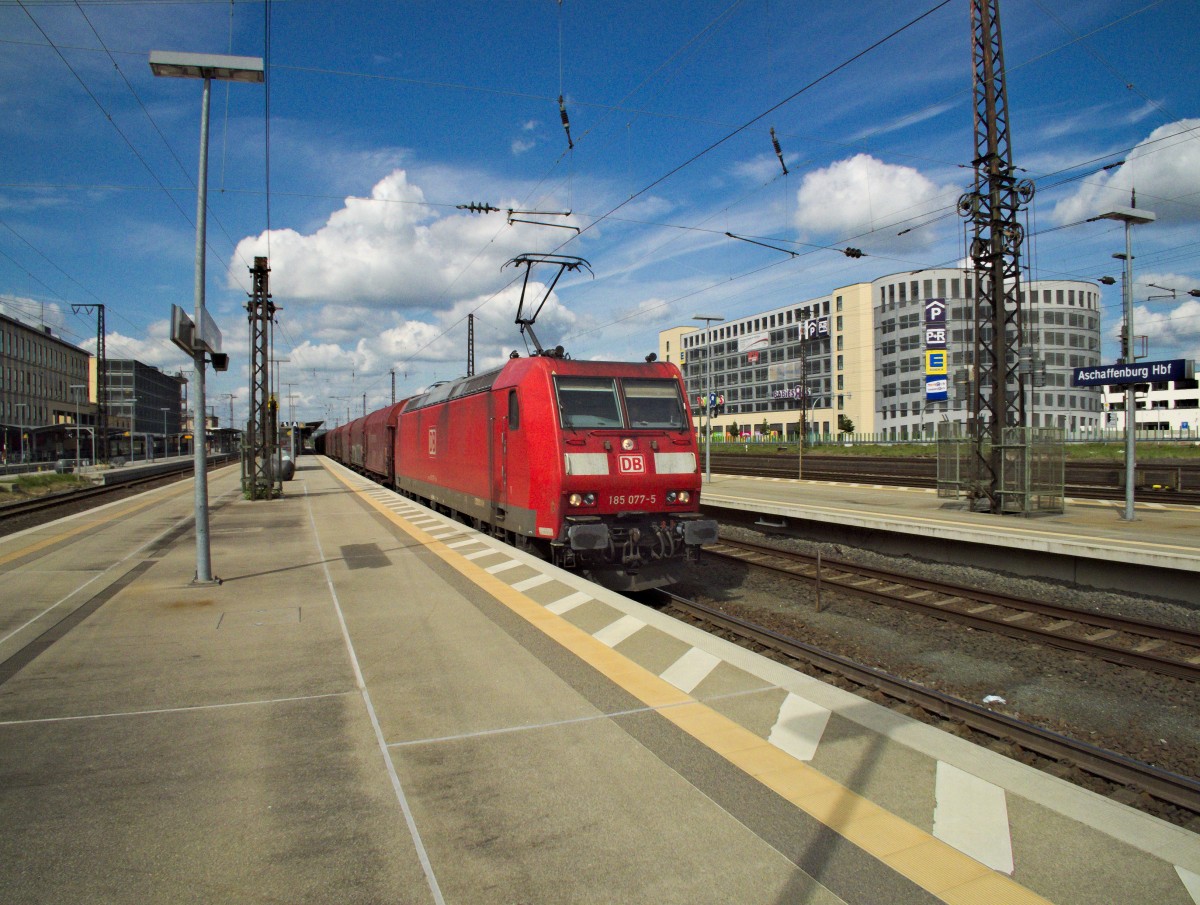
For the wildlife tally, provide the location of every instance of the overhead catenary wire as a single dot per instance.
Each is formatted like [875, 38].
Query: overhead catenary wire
[617, 217]
[791, 97]
[137, 154]
[755, 119]
[108, 116]
[266, 117]
[149, 118]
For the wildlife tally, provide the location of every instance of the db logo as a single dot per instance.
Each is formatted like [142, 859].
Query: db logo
[631, 465]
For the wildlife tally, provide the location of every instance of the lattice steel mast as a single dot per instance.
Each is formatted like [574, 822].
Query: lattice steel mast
[470, 347]
[995, 255]
[257, 478]
[101, 425]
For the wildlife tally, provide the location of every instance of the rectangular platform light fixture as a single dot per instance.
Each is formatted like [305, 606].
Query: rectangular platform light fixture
[206, 66]
[1128, 215]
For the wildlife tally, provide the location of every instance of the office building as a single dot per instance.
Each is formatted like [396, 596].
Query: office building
[37, 373]
[889, 358]
[145, 403]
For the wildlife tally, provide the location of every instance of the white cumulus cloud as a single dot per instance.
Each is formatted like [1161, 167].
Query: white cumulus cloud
[1164, 169]
[390, 250]
[862, 194]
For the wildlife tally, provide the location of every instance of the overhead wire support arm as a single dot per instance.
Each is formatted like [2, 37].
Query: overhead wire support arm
[525, 319]
[513, 219]
[786, 251]
[849, 252]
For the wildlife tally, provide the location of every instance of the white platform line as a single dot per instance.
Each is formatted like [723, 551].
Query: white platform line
[616, 632]
[124, 714]
[1191, 882]
[568, 603]
[972, 816]
[691, 669]
[539, 579]
[502, 567]
[464, 543]
[799, 728]
[397, 788]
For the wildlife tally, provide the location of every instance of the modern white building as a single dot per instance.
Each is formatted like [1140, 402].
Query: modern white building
[1172, 407]
[892, 358]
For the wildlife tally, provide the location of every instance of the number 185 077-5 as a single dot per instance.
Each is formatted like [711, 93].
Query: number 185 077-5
[633, 499]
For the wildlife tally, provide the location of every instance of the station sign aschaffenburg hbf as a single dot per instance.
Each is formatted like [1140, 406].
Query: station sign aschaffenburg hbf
[1137, 372]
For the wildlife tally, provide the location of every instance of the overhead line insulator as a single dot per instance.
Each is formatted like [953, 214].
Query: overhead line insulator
[778, 151]
[562, 110]
[477, 207]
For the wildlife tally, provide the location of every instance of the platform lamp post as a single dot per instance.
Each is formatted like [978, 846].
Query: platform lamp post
[21, 427]
[133, 400]
[166, 445]
[1129, 216]
[75, 388]
[228, 69]
[708, 319]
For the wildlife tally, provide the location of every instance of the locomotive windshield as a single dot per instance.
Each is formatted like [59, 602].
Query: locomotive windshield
[591, 402]
[654, 403]
[588, 402]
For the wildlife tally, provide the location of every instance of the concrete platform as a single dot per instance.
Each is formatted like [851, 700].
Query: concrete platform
[1090, 544]
[379, 705]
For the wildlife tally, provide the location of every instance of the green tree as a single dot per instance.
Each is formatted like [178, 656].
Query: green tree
[845, 425]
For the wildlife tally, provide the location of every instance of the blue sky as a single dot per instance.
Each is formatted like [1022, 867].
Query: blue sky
[380, 118]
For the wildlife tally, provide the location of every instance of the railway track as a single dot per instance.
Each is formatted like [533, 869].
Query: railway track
[1129, 642]
[1166, 483]
[13, 516]
[1176, 792]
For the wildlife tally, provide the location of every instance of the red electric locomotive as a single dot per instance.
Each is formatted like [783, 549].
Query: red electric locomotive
[593, 463]
[595, 460]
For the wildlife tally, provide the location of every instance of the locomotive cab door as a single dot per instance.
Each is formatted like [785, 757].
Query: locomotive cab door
[502, 405]
[390, 456]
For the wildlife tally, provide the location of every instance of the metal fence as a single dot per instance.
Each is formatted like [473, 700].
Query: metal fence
[1031, 463]
[1182, 437]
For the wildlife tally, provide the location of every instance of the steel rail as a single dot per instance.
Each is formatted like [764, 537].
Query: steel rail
[53, 501]
[903, 585]
[1178, 791]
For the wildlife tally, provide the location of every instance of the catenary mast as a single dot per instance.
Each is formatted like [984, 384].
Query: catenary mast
[995, 256]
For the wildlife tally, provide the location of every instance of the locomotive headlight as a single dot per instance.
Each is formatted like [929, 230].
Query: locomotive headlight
[581, 499]
[589, 499]
[672, 496]
[684, 496]
[575, 499]
[627, 444]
